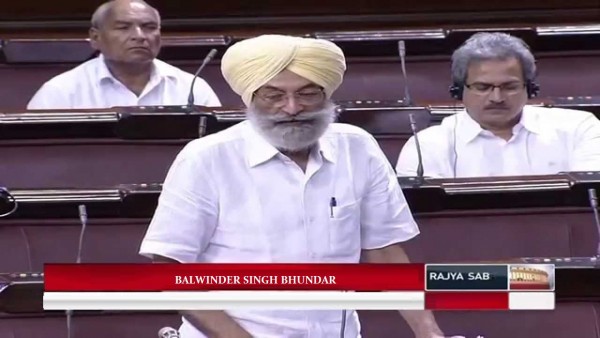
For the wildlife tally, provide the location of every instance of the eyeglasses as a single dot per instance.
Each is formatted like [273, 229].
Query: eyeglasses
[509, 88]
[307, 97]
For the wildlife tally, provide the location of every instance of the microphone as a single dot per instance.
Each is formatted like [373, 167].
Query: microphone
[168, 332]
[413, 127]
[402, 52]
[343, 325]
[83, 217]
[594, 204]
[8, 199]
[209, 56]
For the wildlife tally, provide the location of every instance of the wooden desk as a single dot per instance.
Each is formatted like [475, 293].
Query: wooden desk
[559, 225]
[485, 219]
[99, 148]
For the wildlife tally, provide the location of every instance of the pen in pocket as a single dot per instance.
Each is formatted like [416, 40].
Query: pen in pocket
[332, 204]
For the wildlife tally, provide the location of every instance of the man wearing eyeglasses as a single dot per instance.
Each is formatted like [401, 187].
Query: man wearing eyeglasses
[285, 186]
[498, 134]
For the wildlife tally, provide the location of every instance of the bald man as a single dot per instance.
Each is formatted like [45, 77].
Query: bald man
[286, 186]
[126, 72]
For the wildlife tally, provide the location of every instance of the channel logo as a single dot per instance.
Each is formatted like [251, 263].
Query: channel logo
[531, 277]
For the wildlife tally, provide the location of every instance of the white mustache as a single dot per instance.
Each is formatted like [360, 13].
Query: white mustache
[283, 117]
[275, 128]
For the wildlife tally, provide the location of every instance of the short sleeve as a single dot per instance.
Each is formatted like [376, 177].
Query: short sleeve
[385, 215]
[586, 152]
[186, 216]
[204, 95]
[408, 159]
[50, 96]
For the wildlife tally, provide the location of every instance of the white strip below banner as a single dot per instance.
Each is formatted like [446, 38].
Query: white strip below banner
[226, 300]
[531, 300]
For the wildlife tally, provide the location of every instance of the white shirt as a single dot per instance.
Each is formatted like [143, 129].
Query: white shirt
[91, 85]
[545, 141]
[232, 197]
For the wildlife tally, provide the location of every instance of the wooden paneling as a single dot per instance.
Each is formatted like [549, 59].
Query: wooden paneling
[55, 47]
[568, 320]
[81, 10]
[210, 15]
[95, 325]
[185, 8]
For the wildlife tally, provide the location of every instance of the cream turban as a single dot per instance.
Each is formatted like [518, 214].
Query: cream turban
[249, 64]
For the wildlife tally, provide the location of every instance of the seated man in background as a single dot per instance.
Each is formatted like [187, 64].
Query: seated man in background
[126, 73]
[497, 134]
[286, 186]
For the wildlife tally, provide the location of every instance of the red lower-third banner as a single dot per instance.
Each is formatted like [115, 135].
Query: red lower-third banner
[530, 300]
[467, 300]
[173, 277]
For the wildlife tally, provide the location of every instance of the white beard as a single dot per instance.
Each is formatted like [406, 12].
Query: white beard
[285, 135]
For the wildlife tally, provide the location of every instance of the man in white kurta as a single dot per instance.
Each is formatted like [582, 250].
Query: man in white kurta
[545, 141]
[92, 86]
[233, 197]
[127, 72]
[261, 191]
[497, 134]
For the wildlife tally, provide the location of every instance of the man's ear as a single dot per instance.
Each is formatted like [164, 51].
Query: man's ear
[94, 38]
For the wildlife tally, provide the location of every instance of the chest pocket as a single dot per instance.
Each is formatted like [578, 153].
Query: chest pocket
[344, 229]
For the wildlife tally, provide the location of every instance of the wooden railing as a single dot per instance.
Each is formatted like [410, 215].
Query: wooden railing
[56, 47]
[68, 15]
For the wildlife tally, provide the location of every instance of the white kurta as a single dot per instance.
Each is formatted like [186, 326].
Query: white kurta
[545, 141]
[232, 197]
[91, 85]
